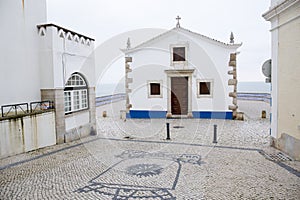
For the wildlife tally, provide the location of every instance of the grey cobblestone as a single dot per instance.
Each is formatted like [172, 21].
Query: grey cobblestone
[189, 166]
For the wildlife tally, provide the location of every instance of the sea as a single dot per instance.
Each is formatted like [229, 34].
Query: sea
[106, 89]
[253, 87]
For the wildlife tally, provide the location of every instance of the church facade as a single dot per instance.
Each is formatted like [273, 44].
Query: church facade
[181, 73]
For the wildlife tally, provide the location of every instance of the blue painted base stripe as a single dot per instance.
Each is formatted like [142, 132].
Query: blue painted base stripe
[148, 114]
[212, 114]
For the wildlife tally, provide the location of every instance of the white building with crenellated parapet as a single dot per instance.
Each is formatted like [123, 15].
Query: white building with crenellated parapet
[47, 64]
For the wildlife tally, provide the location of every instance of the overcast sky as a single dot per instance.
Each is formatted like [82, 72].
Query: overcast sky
[103, 19]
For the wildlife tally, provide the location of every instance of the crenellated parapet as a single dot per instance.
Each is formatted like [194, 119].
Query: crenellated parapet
[66, 34]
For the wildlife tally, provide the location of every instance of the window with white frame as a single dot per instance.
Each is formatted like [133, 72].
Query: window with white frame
[204, 88]
[75, 94]
[179, 54]
[155, 89]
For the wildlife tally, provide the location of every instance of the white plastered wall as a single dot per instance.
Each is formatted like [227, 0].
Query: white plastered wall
[19, 52]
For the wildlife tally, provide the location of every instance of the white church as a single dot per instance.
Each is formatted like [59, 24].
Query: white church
[181, 73]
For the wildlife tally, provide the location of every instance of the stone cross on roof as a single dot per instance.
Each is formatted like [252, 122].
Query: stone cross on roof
[178, 18]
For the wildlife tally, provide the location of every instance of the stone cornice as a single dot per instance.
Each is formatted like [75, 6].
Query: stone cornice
[276, 10]
[179, 71]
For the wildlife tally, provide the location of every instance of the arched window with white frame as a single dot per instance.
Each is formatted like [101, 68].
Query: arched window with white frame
[76, 94]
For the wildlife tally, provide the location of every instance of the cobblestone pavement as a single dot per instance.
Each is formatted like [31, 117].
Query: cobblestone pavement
[132, 160]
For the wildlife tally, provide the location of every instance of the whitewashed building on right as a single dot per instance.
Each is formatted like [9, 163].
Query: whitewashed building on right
[284, 16]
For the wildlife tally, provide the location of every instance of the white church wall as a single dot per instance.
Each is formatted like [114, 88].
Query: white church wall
[139, 95]
[213, 63]
[149, 65]
[27, 133]
[19, 57]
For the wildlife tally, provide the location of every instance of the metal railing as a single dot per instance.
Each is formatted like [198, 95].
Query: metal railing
[266, 97]
[14, 109]
[23, 108]
[41, 106]
[110, 99]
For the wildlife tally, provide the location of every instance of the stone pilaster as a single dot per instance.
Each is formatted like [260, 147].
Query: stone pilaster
[57, 96]
[92, 110]
[127, 82]
[233, 82]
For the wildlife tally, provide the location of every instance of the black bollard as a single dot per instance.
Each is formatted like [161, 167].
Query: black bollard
[215, 134]
[168, 131]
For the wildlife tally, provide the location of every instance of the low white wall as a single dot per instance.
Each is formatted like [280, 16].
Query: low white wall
[18, 135]
[77, 119]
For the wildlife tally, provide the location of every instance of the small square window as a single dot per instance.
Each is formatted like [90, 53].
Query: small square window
[154, 88]
[178, 54]
[204, 88]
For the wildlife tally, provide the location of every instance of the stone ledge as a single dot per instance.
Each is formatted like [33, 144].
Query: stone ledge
[288, 144]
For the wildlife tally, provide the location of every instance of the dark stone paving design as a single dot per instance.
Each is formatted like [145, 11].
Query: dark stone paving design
[279, 162]
[144, 171]
[118, 192]
[178, 126]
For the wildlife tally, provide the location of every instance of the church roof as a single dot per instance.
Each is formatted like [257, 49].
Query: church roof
[180, 29]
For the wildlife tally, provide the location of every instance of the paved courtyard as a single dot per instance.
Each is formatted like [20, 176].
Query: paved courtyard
[132, 160]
